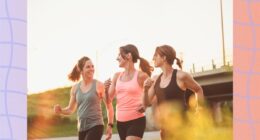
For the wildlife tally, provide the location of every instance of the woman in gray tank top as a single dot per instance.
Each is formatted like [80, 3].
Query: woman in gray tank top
[86, 96]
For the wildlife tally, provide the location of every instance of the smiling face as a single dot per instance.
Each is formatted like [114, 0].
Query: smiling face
[88, 70]
[123, 59]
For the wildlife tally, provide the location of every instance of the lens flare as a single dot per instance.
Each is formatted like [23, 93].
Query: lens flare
[193, 124]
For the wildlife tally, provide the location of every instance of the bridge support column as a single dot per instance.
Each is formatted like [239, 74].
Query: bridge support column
[217, 113]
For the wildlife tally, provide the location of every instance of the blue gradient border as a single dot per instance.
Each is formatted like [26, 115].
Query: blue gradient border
[13, 70]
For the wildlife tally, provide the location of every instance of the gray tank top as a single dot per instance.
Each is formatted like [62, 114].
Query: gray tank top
[88, 108]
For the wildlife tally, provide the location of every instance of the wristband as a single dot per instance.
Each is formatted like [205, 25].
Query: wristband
[111, 125]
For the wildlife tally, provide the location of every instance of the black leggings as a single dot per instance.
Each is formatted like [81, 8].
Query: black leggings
[134, 127]
[94, 133]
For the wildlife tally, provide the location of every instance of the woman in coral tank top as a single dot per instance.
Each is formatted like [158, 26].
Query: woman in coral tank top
[127, 87]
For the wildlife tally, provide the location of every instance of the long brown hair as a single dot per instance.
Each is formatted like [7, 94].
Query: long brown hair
[169, 53]
[75, 73]
[144, 64]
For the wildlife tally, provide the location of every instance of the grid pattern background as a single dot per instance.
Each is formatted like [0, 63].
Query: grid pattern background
[13, 70]
[247, 69]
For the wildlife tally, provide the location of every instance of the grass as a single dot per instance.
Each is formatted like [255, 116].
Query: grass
[43, 130]
[43, 123]
[42, 103]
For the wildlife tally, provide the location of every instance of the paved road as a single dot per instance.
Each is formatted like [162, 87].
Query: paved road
[155, 135]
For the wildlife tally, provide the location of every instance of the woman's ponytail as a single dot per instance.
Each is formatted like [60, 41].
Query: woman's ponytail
[179, 62]
[145, 66]
[75, 74]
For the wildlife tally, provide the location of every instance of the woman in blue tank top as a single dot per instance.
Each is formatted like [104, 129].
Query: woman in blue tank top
[86, 97]
[168, 89]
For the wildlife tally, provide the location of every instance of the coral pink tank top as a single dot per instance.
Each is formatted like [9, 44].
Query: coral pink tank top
[129, 99]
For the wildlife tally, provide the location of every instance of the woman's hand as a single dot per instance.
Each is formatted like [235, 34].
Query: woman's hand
[57, 109]
[109, 132]
[141, 109]
[107, 84]
[148, 83]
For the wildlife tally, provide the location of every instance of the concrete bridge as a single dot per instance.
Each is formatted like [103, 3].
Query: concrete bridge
[217, 83]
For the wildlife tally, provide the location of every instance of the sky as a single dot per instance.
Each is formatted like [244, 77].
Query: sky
[62, 31]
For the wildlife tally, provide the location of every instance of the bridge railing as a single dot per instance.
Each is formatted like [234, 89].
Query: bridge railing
[197, 69]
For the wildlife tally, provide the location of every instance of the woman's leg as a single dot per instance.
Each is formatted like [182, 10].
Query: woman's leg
[95, 133]
[82, 135]
[121, 128]
[136, 129]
